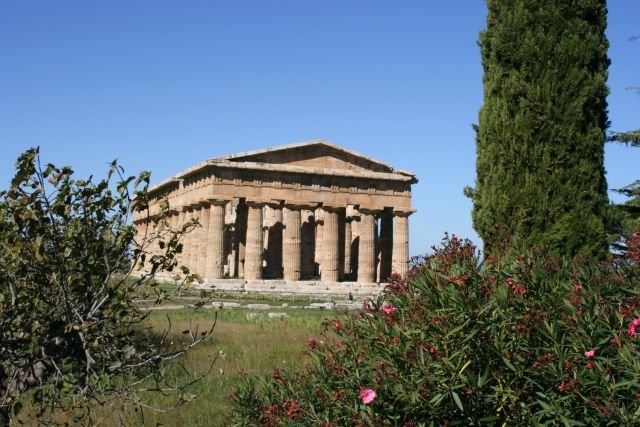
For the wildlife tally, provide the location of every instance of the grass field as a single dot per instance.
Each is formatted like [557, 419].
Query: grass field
[250, 344]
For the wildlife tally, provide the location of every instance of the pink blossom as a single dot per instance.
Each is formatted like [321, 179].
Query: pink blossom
[589, 365]
[367, 395]
[631, 330]
[396, 340]
[590, 354]
[388, 309]
[577, 287]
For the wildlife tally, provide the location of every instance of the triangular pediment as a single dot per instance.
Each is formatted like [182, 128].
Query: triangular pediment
[313, 154]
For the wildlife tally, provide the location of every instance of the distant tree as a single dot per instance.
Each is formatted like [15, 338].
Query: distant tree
[71, 334]
[541, 133]
[626, 216]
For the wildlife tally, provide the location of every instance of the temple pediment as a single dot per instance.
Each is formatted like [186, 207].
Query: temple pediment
[312, 154]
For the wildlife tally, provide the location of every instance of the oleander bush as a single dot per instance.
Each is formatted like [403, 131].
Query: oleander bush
[521, 340]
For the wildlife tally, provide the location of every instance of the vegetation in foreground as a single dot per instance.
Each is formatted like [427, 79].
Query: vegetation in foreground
[245, 343]
[519, 340]
[71, 334]
[542, 126]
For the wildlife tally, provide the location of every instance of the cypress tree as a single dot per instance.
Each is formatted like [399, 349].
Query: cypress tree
[541, 132]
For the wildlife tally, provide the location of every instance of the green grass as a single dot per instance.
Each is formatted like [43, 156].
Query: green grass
[252, 346]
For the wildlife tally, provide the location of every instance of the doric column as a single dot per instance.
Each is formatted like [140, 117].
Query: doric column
[367, 246]
[292, 242]
[330, 242]
[401, 242]
[253, 254]
[308, 267]
[179, 225]
[203, 238]
[348, 235]
[186, 239]
[273, 253]
[194, 240]
[214, 268]
[386, 245]
[318, 251]
[240, 240]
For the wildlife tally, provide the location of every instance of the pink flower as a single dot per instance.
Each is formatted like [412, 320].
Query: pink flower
[590, 354]
[589, 365]
[367, 395]
[388, 309]
[396, 340]
[631, 330]
[577, 287]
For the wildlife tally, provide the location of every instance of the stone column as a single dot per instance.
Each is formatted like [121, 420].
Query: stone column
[186, 239]
[401, 242]
[179, 225]
[318, 251]
[292, 238]
[308, 249]
[348, 235]
[214, 265]
[194, 240]
[240, 240]
[273, 254]
[254, 245]
[386, 244]
[203, 238]
[330, 241]
[367, 246]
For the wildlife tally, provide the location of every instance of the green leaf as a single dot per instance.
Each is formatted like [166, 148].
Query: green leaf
[456, 398]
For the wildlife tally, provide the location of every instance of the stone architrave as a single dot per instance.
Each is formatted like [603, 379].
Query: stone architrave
[254, 247]
[214, 268]
[367, 246]
[401, 242]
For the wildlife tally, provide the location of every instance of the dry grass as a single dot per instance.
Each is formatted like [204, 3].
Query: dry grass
[252, 346]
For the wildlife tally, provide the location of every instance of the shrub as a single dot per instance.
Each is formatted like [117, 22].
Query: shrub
[528, 339]
[71, 334]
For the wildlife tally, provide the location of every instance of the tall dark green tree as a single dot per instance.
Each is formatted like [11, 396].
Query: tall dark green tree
[541, 131]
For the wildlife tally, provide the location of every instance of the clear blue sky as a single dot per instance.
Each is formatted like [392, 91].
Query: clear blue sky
[161, 85]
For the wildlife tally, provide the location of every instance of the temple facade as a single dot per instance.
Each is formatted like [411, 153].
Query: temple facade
[311, 211]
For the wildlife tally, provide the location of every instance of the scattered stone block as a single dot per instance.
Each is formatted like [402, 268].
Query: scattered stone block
[277, 315]
[258, 306]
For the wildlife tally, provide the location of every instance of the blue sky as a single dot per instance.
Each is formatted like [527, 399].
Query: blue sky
[161, 85]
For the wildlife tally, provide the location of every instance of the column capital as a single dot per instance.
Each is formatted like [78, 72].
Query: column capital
[218, 201]
[300, 204]
[331, 207]
[262, 202]
[370, 210]
[404, 212]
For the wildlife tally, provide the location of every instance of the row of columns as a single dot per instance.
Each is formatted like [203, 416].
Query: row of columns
[207, 247]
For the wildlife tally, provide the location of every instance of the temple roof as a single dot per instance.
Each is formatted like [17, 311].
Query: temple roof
[316, 157]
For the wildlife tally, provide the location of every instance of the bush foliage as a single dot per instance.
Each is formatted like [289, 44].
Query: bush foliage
[71, 333]
[524, 340]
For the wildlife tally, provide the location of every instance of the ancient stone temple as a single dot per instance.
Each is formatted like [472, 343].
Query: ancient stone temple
[304, 217]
